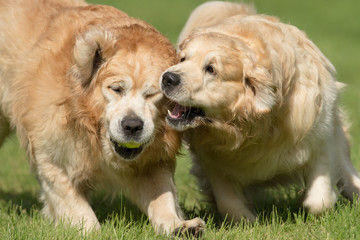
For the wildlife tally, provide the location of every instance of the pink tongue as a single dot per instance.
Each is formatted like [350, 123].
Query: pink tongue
[177, 111]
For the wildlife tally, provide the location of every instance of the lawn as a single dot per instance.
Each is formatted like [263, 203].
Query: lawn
[334, 26]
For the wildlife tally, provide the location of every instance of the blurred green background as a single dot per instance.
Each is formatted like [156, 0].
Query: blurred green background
[333, 25]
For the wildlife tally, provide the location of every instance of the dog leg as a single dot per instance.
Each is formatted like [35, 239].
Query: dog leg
[319, 181]
[155, 194]
[229, 202]
[349, 177]
[62, 201]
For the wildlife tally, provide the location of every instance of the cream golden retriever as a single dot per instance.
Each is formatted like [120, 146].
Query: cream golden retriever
[258, 100]
[79, 83]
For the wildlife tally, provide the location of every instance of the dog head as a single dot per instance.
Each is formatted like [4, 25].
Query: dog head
[118, 70]
[218, 76]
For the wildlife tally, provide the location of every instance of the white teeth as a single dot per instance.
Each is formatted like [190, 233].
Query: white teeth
[169, 112]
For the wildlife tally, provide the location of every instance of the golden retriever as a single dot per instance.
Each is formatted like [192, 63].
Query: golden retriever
[258, 100]
[80, 85]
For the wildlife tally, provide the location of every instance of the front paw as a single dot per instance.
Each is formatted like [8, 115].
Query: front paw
[190, 228]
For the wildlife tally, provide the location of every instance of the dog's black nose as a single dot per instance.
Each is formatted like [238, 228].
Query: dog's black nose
[132, 125]
[170, 79]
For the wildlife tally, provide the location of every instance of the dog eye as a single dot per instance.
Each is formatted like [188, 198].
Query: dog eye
[116, 89]
[210, 69]
[182, 59]
[150, 94]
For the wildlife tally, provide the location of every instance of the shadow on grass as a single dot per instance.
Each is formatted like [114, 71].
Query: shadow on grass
[104, 207]
[24, 201]
[282, 203]
[107, 208]
[273, 205]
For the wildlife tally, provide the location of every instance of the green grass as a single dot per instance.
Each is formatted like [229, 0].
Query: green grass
[333, 25]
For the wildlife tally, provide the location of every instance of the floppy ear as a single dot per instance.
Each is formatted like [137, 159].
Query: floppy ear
[90, 52]
[260, 90]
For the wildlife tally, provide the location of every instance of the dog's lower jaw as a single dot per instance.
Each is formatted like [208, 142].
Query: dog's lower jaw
[177, 127]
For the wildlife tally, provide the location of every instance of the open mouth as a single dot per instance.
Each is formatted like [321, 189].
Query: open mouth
[182, 117]
[128, 150]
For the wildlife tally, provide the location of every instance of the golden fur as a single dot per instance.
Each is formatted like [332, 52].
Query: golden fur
[77, 82]
[258, 100]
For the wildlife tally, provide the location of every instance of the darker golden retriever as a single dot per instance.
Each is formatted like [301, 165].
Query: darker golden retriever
[79, 83]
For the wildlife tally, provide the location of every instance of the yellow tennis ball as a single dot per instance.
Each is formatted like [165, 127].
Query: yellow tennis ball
[131, 145]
